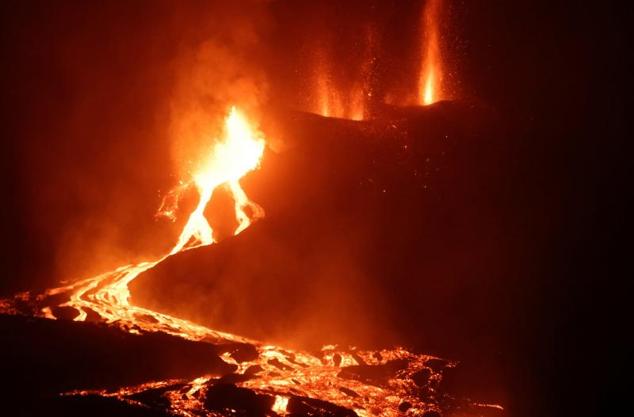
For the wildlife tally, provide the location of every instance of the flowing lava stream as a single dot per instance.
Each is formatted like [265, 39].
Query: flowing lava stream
[238, 153]
[333, 380]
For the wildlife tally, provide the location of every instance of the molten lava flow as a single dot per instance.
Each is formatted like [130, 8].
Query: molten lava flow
[280, 404]
[429, 81]
[237, 153]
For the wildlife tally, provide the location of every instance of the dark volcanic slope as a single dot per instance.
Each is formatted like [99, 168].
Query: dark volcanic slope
[42, 358]
[360, 217]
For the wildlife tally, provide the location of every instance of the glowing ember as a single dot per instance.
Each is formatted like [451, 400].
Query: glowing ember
[429, 82]
[345, 102]
[331, 103]
[280, 404]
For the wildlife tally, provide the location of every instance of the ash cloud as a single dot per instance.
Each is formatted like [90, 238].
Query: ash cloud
[222, 68]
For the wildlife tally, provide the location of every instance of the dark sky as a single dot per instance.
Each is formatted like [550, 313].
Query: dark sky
[85, 149]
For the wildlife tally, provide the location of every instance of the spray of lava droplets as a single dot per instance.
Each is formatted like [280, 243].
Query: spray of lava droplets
[429, 82]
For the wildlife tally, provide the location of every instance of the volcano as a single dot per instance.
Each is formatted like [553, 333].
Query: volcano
[398, 209]
[314, 208]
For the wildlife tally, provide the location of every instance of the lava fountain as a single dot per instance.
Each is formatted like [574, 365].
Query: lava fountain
[429, 80]
[237, 154]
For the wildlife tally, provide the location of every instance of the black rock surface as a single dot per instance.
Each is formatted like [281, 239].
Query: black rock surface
[42, 358]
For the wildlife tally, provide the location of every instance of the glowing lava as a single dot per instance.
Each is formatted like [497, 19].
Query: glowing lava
[329, 100]
[290, 380]
[238, 153]
[429, 81]
[334, 99]
[234, 155]
[332, 103]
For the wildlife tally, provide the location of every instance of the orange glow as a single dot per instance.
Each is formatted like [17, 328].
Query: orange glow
[429, 81]
[357, 104]
[238, 153]
[329, 102]
[281, 402]
[332, 103]
[342, 101]
[282, 373]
